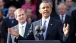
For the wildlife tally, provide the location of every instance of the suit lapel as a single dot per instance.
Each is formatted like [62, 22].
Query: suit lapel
[26, 29]
[9, 23]
[50, 25]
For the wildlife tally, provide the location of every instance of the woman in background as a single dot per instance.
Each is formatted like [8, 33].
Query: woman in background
[30, 16]
[30, 4]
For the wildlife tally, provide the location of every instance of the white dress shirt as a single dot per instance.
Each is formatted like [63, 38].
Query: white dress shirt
[47, 22]
[63, 17]
[24, 26]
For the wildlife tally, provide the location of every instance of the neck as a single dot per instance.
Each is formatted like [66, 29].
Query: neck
[12, 16]
[44, 17]
[22, 23]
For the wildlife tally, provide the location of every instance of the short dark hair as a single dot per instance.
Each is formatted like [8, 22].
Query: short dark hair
[46, 2]
[32, 2]
[12, 6]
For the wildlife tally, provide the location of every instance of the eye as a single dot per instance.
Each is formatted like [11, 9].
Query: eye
[47, 7]
[22, 14]
[43, 8]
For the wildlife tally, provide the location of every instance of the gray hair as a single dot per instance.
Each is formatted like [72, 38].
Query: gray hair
[62, 4]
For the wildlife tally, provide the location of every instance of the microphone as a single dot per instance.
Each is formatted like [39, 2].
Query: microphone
[37, 28]
[39, 31]
[42, 28]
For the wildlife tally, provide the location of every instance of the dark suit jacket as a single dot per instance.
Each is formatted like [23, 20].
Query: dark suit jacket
[7, 24]
[54, 31]
[74, 19]
[10, 38]
[68, 20]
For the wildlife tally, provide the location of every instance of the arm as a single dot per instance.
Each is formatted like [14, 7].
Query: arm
[4, 29]
[29, 36]
[60, 31]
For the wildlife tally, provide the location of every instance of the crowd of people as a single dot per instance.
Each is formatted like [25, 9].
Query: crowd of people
[18, 19]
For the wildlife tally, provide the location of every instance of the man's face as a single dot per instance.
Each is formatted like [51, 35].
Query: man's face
[11, 11]
[29, 13]
[68, 3]
[62, 10]
[45, 9]
[1, 3]
[21, 17]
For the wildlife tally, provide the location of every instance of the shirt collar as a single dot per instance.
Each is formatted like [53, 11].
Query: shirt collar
[22, 24]
[11, 17]
[63, 15]
[45, 19]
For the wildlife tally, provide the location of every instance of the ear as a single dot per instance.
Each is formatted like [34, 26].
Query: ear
[39, 11]
[16, 17]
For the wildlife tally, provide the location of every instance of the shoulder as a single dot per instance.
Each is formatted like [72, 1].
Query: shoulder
[28, 24]
[5, 19]
[38, 21]
[69, 17]
[55, 20]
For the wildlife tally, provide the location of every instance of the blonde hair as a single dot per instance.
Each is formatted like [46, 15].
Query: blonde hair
[18, 11]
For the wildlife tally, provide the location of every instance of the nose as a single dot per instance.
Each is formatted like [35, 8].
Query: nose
[45, 8]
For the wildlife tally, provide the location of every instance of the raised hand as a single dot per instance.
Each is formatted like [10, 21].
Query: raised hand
[66, 29]
[13, 32]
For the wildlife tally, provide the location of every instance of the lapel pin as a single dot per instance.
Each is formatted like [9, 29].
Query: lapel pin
[51, 24]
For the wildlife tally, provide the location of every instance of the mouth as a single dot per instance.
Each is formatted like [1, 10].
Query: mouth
[46, 12]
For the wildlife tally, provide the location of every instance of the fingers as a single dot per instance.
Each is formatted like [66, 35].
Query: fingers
[9, 30]
[64, 26]
[68, 26]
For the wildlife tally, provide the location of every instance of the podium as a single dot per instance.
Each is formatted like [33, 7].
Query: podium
[40, 41]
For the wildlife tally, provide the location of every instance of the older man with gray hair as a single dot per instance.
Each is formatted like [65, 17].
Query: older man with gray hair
[64, 18]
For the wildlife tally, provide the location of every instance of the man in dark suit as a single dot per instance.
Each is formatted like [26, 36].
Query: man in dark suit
[20, 16]
[53, 8]
[53, 28]
[74, 19]
[64, 18]
[8, 22]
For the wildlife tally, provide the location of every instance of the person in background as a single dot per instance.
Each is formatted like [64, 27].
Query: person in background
[4, 9]
[64, 18]
[23, 26]
[8, 22]
[30, 4]
[30, 16]
[70, 6]
[74, 19]
[1, 20]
